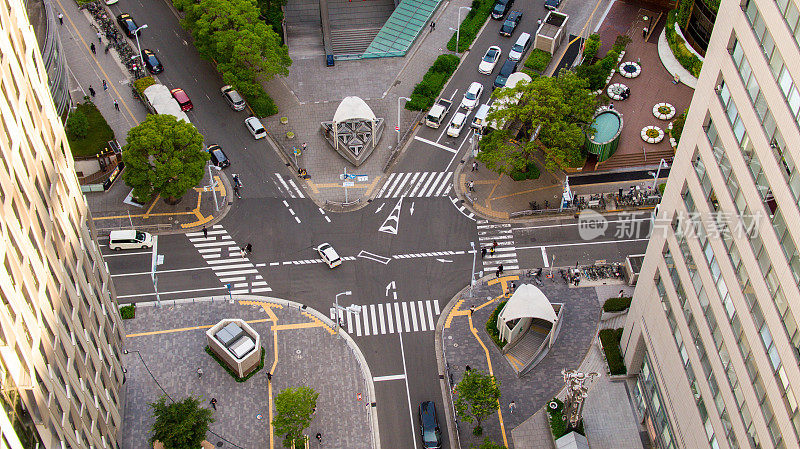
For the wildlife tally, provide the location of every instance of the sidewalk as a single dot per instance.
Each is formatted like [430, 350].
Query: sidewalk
[109, 209]
[166, 346]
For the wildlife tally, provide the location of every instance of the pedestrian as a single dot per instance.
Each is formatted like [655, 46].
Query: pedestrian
[611, 106]
[512, 405]
[483, 252]
[91, 90]
[199, 372]
[249, 248]
[471, 186]
[243, 252]
[214, 403]
[99, 37]
[638, 60]
[644, 33]
[513, 286]
[105, 85]
[475, 166]
[116, 105]
[60, 19]
[304, 146]
[314, 411]
[319, 437]
[494, 243]
[269, 376]
[500, 268]
[205, 232]
[491, 250]
[539, 22]
[621, 293]
[92, 48]
[433, 25]
[497, 273]
[471, 309]
[467, 368]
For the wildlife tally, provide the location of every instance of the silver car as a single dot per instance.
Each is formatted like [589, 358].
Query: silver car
[233, 98]
[255, 127]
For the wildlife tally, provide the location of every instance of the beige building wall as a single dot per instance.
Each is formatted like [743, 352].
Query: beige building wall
[60, 329]
[713, 330]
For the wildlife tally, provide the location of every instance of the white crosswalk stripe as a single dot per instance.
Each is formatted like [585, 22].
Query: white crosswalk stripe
[416, 185]
[224, 256]
[387, 318]
[505, 253]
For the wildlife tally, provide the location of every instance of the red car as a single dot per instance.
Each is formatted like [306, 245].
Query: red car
[180, 96]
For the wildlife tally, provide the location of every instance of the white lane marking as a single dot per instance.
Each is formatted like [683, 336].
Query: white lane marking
[233, 279]
[408, 393]
[397, 317]
[413, 181]
[374, 319]
[461, 209]
[260, 289]
[381, 318]
[172, 292]
[285, 186]
[436, 306]
[385, 184]
[115, 254]
[605, 242]
[576, 224]
[357, 321]
[147, 273]
[349, 322]
[421, 180]
[405, 316]
[430, 179]
[388, 193]
[444, 183]
[400, 187]
[544, 257]
[389, 320]
[364, 314]
[299, 192]
[455, 153]
[422, 323]
[433, 187]
[413, 316]
[430, 314]
[374, 257]
[394, 216]
[384, 378]
[437, 145]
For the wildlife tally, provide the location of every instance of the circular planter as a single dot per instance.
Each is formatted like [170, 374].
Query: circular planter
[664, 111]
[630, 69]
[618, 91]
[290, 135]
[284, 120]
[652, 134]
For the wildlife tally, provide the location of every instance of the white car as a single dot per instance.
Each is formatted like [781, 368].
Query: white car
[454, 130]
[329, 255]
[489, 60]
[255, 127]
[473, 96]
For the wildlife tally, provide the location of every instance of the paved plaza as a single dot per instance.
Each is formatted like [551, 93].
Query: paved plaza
[166, 346]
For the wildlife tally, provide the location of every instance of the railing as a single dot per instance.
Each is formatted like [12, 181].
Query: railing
[403, 140]
[342, 204]
[379, 54]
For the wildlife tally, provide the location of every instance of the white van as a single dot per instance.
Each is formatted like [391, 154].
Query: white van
[454, 130]
[129, 239]
[479, 121]
[520, 47]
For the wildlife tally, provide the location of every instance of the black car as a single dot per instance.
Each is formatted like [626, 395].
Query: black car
[127, 24]
[551, 4]
[151, 61]
[508, 68]
[500, 9]
[218, 156]
[429, 426]
[510, 24]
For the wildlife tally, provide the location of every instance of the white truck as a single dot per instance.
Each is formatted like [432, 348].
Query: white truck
[160, 101]
[438, 112]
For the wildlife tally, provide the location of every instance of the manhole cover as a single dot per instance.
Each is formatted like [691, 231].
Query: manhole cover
[219, 444]
[455, 345]
[449, 337]
[298, 352]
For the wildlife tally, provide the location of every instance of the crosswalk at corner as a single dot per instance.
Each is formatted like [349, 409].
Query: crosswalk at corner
[287, 186]
[390, 318]
[505, 253]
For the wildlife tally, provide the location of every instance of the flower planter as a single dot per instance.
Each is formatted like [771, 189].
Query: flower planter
[664, 111]
[630, 69]
[652, 134]
[290, 135]
[618, 91]
[284, 120]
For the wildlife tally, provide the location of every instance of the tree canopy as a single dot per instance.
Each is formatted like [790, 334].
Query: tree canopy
[560, 108]
[164, 156]
[180, 425]
[478, 396]
[293, 410]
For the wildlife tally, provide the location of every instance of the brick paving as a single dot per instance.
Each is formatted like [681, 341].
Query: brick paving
[309, 356]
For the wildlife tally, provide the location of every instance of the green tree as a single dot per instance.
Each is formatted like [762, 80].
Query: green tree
[293, 409]
[77, 126]
[489, 444]
[163, 156]
[180, 425]
[478, 396]
[501, 155]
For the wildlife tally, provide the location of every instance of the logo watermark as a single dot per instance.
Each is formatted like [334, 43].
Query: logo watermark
[591, 224]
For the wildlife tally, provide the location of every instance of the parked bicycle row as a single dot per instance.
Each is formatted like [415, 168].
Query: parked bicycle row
[575, 275]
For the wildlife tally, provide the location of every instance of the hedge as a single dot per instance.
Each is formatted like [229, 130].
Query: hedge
[661, 188]
[262, 105]
[677, 126]
[230, 371]
[471, 25]
[538, 60]
[98, 133]
[590, 48]
[616, 304]
[491, 325]
[610, 339]
[426, 91]
[531, 172]
[128, 312]
[143, 83]
[558, 426]
[685, 57]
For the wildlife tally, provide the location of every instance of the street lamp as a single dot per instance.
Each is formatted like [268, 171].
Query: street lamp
[136, 33]
[338, 308]
[472, 279]
[655, 175]
[398, 118]
[213, 184]
[458, 25]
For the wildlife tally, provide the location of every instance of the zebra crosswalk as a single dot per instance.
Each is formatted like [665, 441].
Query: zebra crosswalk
[227, 260]
[417, 185]
[288, 186]
[389, 318]
[505, 253]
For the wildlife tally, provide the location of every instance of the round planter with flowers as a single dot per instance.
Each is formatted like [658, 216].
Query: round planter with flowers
[652, 134]
[664, 111]
[630, 69]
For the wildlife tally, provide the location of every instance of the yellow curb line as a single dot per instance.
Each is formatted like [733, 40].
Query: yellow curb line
[491, 373]
[524, 192]
[152, 205]
[453, 311]
[183, 329]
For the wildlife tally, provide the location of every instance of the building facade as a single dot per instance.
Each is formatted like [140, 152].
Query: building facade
[60, 329]
[713, 329]
[43, 17]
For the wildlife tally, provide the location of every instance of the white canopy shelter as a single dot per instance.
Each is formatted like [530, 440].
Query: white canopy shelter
[353, 108]
[528, 302]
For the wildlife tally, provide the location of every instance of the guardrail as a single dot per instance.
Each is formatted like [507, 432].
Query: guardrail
[342, 204]
[529, 212]
[403, 140]
[144, 227]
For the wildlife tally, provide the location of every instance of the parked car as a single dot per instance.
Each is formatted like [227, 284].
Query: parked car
[429, 426]
[472, 96]
[127, 24]
[508, 68]
[457, 124]
[183, 99]
[511, 23]
[520, 47]
[489, 60]
[218, 156]
[500, 9]
[329, 255]
[233, 98]
[552, 4]
[151, 61]
[129, 239]
[255, 127]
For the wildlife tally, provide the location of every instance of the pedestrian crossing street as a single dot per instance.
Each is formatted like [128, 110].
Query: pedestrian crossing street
[288, 186]
[225, 257]
[390, 318]
[505, 253]
[417, 185]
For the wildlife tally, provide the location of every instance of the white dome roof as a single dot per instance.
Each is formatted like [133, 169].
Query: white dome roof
[516, 77]
[353, 108]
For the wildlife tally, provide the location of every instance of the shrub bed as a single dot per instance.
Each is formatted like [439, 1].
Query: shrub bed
[230, 371]
[590, 48]
[426, 91]
[262, 104]
[143, 83]
[491, 325]
[471, 25]
[616, 304]
[661, 188]
[686, 58]
[558, 426]
[531, 172]
[677, 126]
[610, 339]
[538, 60]
[128, 312]
[97, 132]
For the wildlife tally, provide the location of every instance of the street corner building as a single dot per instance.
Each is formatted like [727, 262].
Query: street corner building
[60, 328]
[713, 329]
